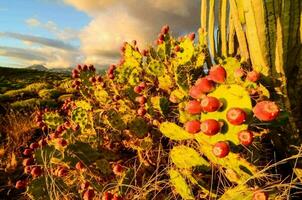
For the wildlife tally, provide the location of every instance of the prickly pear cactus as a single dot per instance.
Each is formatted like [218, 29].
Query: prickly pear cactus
[113, 137]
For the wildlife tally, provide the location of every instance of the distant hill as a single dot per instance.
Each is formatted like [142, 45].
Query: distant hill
[37, 67]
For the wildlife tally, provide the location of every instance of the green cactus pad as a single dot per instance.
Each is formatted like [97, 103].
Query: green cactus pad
[174, 132]
[165, 82]
[230, 64]
[178, 95]
[80, 116]
[161, 104]
[45, 154]
[231, 96]
[139, 127]
[115, 120]
[83, 104]
[52, 119]
[81, 151]
[100, 94]
[156, 68]
[182, 78]
[186, 157]
[104, 166]
[185, 55]
[37, 189]
[237, 193]
[180, 185]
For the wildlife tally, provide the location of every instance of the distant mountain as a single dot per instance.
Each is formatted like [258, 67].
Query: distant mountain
[37, 67]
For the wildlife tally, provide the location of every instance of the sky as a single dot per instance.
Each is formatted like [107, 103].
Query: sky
[63, 33]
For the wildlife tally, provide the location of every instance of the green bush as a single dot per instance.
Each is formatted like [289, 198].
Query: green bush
[19, 93]
[49, 93]
[28, 103]
[35, 87]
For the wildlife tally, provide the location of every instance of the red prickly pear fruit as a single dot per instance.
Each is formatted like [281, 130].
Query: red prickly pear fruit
[91, 68]
[138, 89]
[266, 110]
[245, 137]
[111, 76]
[236, 116]
[143, 85]
[192, 126]
[79, 166]
[177, 48]
[27, 169]
[75, 76]
[117, 197]
[253, 76]
[34, 145]
[141, 111]
[165, 29]
[134, 42]
[221, 149]
[205, 85]
[193, 107]
[21, 184]
[75, 71]
[145, 52]
[42, 143]
[260, 195]
[99, 79]
[217, 74]
[88, 194]
[76, 82]
[239, 72]
[75, 127]
[141, 100]
[111, 68]
[195, 92]
[36, 171]
[159, 41]
[62, 172]
[161, 37]
[191, 36]
[27, 152]
[107, 196]
[92, 79]
[85, 68]
[85, 185]
[62, 142]
[117, 169]
[79, 67]
[210, 104]
[210, 127]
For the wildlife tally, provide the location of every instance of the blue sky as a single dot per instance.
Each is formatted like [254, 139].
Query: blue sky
[61, 33]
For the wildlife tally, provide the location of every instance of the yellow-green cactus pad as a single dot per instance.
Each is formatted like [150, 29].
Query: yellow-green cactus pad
[180, 185]
[186, 157]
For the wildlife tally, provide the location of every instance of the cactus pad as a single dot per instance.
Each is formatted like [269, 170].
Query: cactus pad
[186, 157]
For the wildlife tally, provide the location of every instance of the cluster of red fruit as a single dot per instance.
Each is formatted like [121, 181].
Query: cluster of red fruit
[110, 72]
[141, 99]
[264, 111]
[76, 73]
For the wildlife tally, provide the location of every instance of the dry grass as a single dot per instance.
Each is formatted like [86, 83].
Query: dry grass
[16, 130]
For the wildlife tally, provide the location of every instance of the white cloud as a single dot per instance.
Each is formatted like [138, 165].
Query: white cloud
[65, 33]
[32, 22]
[116, 21]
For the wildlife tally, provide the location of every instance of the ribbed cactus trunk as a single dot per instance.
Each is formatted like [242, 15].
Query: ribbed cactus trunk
[267, 36]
